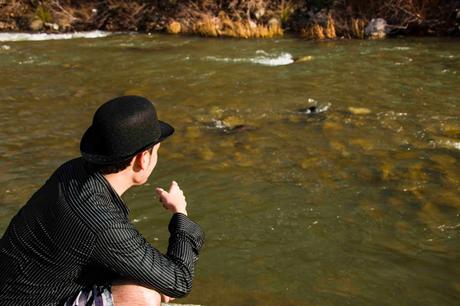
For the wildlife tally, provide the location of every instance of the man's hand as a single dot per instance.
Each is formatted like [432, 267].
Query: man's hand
[174, 199]
[166, 299]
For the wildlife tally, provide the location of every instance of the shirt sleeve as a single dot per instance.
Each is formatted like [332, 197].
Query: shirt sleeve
[123, 250]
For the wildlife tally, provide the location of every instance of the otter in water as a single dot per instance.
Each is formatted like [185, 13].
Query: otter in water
[309, 110]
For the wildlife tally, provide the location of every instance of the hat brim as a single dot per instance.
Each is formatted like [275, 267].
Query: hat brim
[166, 130]
[89, 146]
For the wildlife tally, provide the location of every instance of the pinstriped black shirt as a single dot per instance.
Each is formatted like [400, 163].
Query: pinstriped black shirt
[74, 232]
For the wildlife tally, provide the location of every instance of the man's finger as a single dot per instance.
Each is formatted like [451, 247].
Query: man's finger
[160, 191]
[173, 185]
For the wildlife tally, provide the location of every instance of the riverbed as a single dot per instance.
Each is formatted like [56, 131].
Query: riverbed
[323, 173]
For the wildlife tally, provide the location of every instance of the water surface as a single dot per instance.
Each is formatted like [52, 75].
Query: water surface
[358, 204]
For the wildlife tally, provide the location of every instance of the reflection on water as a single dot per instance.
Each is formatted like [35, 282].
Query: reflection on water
[325, 181]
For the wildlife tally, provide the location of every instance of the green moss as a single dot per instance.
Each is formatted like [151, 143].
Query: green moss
[43, 14]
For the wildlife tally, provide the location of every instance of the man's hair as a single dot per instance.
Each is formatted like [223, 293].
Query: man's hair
[113, 168]
[108, 169]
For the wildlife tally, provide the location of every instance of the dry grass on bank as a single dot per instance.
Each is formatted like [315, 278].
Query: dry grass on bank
[226, 27]
[318, 31]
[231, 18]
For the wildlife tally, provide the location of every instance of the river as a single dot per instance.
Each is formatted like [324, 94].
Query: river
[330, 180]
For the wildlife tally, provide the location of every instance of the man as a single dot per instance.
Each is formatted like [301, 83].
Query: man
[73, 244]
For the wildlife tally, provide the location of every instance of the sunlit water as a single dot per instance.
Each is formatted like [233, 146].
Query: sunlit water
[346, 206]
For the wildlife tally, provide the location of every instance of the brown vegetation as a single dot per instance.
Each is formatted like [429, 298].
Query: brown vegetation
[318, 19]
[412, 16]
[223, 25]
[320, 29]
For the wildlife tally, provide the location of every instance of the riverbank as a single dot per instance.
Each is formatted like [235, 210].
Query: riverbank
[318, 19]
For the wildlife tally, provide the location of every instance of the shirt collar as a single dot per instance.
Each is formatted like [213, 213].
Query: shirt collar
[117, 200]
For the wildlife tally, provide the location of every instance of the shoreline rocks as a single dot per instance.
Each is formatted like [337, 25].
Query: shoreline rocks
[376, 29]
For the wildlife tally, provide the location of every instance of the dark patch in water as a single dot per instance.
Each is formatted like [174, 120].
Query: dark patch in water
[309, 110]
[238, 129]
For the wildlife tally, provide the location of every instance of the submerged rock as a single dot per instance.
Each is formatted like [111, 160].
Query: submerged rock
[243, 159]
[192, 132]
[339, 147]
[310, 162]
[363, 143]
[206, 153]
[238, 129]
[359, 110]
[444, 160]
[231, 125]
[330, 126]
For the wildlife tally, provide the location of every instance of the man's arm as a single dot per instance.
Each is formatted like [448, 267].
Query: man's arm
[122, 249]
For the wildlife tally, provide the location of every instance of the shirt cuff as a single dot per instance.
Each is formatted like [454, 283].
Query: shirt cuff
[181, 223]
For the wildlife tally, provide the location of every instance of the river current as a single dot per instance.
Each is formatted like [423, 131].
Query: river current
[323, 173]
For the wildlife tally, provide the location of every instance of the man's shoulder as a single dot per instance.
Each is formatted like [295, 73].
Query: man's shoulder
[86, 193]
[71, 164]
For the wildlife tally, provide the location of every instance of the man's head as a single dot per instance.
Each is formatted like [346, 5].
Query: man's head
[125, 131]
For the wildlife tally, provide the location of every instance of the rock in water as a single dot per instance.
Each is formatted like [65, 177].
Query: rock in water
[306, 58]
[375, 29]
[36, 25]
[359, 110]
[173, 27]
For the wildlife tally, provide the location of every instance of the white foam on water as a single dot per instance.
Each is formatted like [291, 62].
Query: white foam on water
[218, 124]
[280, 60]
[402, 48]
[447, 143]
[261, 52]
[224, 59]
[45, 36]
[397, 48]
[262, 58]
[323, 108]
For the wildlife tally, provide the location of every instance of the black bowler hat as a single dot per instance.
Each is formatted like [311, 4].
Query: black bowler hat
[121, 128]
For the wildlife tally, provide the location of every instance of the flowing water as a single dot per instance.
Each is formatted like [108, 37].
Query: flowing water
[333, 179]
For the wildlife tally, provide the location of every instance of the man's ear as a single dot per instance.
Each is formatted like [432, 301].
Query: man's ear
[138, 162]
